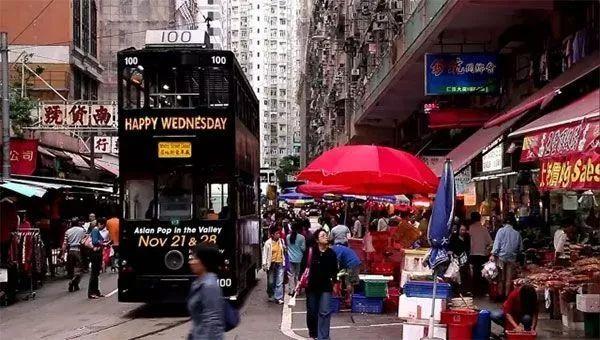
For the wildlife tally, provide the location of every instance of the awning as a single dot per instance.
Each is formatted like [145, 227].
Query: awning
[586, 108]
[42, 185]
[546, 93]
[78, 160]
[456, 118]
[108, 163]
[45, 151]
[472, 146]
[24, 189]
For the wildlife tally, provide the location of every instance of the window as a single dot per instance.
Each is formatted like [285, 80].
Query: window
[133, 87]
[212, 201]
[93, 28]
[125, 6]
[258, 78]
[138, 199]
[77, 23]
[85, 26]
[258, 42]
[174, 196]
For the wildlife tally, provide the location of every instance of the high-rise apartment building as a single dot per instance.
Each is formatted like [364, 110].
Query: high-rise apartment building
[123, 24]
[264, 36]
[206, 15]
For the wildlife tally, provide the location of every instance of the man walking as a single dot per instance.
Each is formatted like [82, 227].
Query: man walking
[480, 243]
[507, 245]
[72, 245]
[339, 233]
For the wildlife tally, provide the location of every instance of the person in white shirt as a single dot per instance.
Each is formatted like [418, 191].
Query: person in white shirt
[340, 233]
[357, 230]
[383, 223]
[561, 237]
[481, 242]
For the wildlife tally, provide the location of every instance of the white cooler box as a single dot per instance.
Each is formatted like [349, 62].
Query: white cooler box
[588, 303]
[419, 308]
[417, 330]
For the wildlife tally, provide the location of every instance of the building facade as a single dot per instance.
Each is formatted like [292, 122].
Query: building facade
[206, 15]
[123, 24]
[264, 36]
[60, 46]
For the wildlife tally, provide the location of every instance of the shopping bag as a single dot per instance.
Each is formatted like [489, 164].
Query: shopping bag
[292, 301]
[231, 316]
[453, 271]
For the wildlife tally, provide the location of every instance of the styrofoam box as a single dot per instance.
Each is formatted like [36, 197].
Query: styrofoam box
[588, 303]
[412, 331]
[419, 308]
[414, 260]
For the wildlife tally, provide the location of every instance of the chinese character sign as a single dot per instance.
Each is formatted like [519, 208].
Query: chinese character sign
[461, 73]
[77, 115]
[23, 156]
[105, 144]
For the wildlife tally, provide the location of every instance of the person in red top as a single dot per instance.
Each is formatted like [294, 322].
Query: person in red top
[519, 311]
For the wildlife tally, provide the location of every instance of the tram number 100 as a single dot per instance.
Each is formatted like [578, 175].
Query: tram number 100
[224, 282]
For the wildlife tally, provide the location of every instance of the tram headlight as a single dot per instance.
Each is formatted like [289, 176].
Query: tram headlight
[174, 260]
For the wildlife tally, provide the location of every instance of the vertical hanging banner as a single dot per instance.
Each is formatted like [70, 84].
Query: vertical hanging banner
[23, 156]
[106, 144]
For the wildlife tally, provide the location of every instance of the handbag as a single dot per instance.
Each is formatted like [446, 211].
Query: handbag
[231, 316]
[303, 282]
[86, 242]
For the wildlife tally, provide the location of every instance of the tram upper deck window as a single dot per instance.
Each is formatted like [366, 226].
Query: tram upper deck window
[133, 87]
[186, 86]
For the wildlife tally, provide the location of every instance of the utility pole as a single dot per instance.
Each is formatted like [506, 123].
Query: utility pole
[5, 107]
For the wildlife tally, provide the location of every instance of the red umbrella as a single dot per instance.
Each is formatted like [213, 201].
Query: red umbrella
[371, 170]
[318, 190]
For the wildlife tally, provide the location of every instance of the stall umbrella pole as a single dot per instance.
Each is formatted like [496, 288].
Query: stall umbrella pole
[431, 317]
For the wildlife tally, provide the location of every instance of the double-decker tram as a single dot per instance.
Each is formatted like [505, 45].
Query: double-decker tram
[189, 167]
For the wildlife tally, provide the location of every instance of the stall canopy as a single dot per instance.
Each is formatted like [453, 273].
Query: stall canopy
[26, 190]
[566, 143]
[547, 93]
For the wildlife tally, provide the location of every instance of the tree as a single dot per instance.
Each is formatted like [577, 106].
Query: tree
[288, 165]
[20, 112]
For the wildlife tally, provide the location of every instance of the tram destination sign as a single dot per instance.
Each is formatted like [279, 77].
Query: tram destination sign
[176, 37]
[169, 123]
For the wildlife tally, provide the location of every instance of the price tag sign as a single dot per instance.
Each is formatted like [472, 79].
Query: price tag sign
[174, 150]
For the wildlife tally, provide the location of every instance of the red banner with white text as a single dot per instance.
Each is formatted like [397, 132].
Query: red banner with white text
[569, 155]
[23, 156]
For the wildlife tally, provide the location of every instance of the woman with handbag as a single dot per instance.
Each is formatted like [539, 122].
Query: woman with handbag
[460, 247]
[322, 275]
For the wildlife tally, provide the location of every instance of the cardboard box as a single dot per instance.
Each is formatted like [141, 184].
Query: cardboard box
[419, 308]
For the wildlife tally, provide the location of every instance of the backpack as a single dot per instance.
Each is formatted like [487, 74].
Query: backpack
[231, 316]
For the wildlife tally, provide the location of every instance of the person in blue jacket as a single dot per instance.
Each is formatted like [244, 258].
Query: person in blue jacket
[96, 259]
[350, 263]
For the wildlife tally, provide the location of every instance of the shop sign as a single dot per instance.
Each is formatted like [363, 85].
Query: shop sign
[74, 115]
[492, 160]
[23, 156]
[462, 179]
[105, 144]
[470, 195]
[461, 73]
[576, 172]
[561, 142]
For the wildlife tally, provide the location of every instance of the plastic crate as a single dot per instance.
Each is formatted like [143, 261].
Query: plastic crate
[334, 304]
[363, 304]
[521, 335]
[424, 289]
[376, 289]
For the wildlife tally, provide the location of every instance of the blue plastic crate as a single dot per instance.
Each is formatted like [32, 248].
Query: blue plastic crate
[334, 304]
[424, 289]
[363, 304]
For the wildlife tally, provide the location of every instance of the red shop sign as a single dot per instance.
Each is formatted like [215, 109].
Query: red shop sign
[564, 141]
[23, 156]
[577, 172]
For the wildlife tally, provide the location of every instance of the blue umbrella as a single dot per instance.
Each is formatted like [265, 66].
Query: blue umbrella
[439, 230]
[294, 196]
[441, 218]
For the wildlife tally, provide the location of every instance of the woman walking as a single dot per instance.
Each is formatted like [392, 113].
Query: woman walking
[205, 301]
[274, 264]
[296, 246]
[323, 274]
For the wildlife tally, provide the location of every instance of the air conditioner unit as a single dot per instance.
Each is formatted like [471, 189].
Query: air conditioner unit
[396, 5]
[370, 37]
[356, 72]
[379, 26]
[381, 17]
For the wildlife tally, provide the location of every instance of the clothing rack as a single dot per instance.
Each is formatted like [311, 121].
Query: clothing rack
[29, 231]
